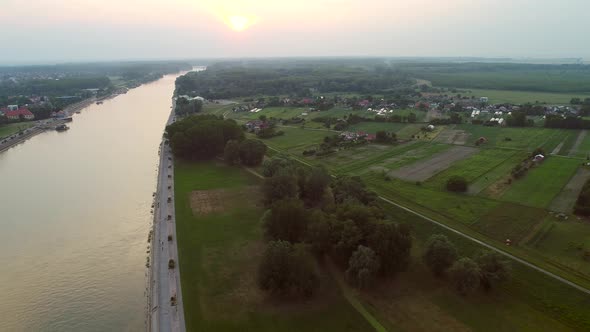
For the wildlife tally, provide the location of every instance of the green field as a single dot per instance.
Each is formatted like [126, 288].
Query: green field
[295, 140]
[402, 130]
[379, 158]
[563, 243]
[531, 301]
[473, 167]
[517, 138]
[523, 97]
[219, 253]
[9, 129]
[573, 80]
[542, 183]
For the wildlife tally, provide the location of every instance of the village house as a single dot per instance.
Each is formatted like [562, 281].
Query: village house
[16, 114]
[256, 125]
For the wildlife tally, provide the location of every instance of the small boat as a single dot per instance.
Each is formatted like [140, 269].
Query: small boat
[78, 112]
[98, 102]
[68, 119]
[62, 127]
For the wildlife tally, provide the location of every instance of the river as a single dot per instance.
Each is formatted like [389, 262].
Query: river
[75, 217]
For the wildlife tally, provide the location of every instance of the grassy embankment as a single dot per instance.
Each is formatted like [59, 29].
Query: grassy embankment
[219, 251]
[13, 128]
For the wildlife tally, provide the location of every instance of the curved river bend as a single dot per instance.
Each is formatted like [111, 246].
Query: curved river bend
[75, 217]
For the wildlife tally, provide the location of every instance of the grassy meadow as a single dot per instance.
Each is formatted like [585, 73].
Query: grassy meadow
[13, 128]
[219, 251]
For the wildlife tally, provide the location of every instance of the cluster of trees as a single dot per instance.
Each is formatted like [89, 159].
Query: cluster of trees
[72, 79]
[248, 152]
[397, 118]
[299, 78]
[518, 119]
[385, 137]
[579, 101]
[455, 118]
[569, 122]
[188, 107]
[200, 137]
[336, 218]
[487, 270]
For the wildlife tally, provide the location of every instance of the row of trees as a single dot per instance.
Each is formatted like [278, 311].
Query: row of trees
[569, 122]
[487, 270]
[336, 218]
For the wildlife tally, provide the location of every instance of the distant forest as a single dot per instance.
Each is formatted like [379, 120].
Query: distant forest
[300, 78]
[502, 76]
[70, 79]
[304, 77]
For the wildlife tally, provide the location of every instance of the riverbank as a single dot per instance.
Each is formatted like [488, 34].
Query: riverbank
[165, 305]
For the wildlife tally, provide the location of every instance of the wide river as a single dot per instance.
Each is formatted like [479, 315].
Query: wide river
[75, 217]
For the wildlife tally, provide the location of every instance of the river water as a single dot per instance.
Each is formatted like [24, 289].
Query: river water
[75, 217]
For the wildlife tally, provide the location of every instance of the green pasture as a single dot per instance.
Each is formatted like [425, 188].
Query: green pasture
[472, 168]
[402, 130]
[523, 97]
[219, 254]
[542, 183]
[13, 128]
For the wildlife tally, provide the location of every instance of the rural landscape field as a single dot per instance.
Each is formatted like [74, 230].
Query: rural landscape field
[437, 160]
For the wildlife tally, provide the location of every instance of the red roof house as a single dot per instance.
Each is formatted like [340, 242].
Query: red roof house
[15, 115]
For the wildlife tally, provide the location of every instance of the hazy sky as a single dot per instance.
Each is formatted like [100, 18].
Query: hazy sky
[86, 30]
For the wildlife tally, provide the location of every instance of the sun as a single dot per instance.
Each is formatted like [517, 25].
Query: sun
[239, 22]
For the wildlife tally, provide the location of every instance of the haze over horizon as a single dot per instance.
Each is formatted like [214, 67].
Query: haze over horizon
[45, 31]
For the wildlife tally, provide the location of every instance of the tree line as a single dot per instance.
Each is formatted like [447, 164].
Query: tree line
[235, 79]
[312, 216]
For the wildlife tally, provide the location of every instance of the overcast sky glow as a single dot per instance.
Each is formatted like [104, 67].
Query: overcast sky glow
[38, 31]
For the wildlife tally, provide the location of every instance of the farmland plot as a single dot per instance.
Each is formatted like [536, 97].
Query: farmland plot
[542, 183]
[425, 169]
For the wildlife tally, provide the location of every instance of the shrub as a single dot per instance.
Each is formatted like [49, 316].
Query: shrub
[457, 184]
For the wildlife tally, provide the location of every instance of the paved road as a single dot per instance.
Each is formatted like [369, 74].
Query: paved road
[164, 282]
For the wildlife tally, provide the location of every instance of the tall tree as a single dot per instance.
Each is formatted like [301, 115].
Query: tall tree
[465, 275]
[287, 220]
[231, 153]
[494, 269]
[363, 267]
[279, 187]
[252, 152]
[286, 270]
[440, 254]
[392, 243]
[315, 185]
